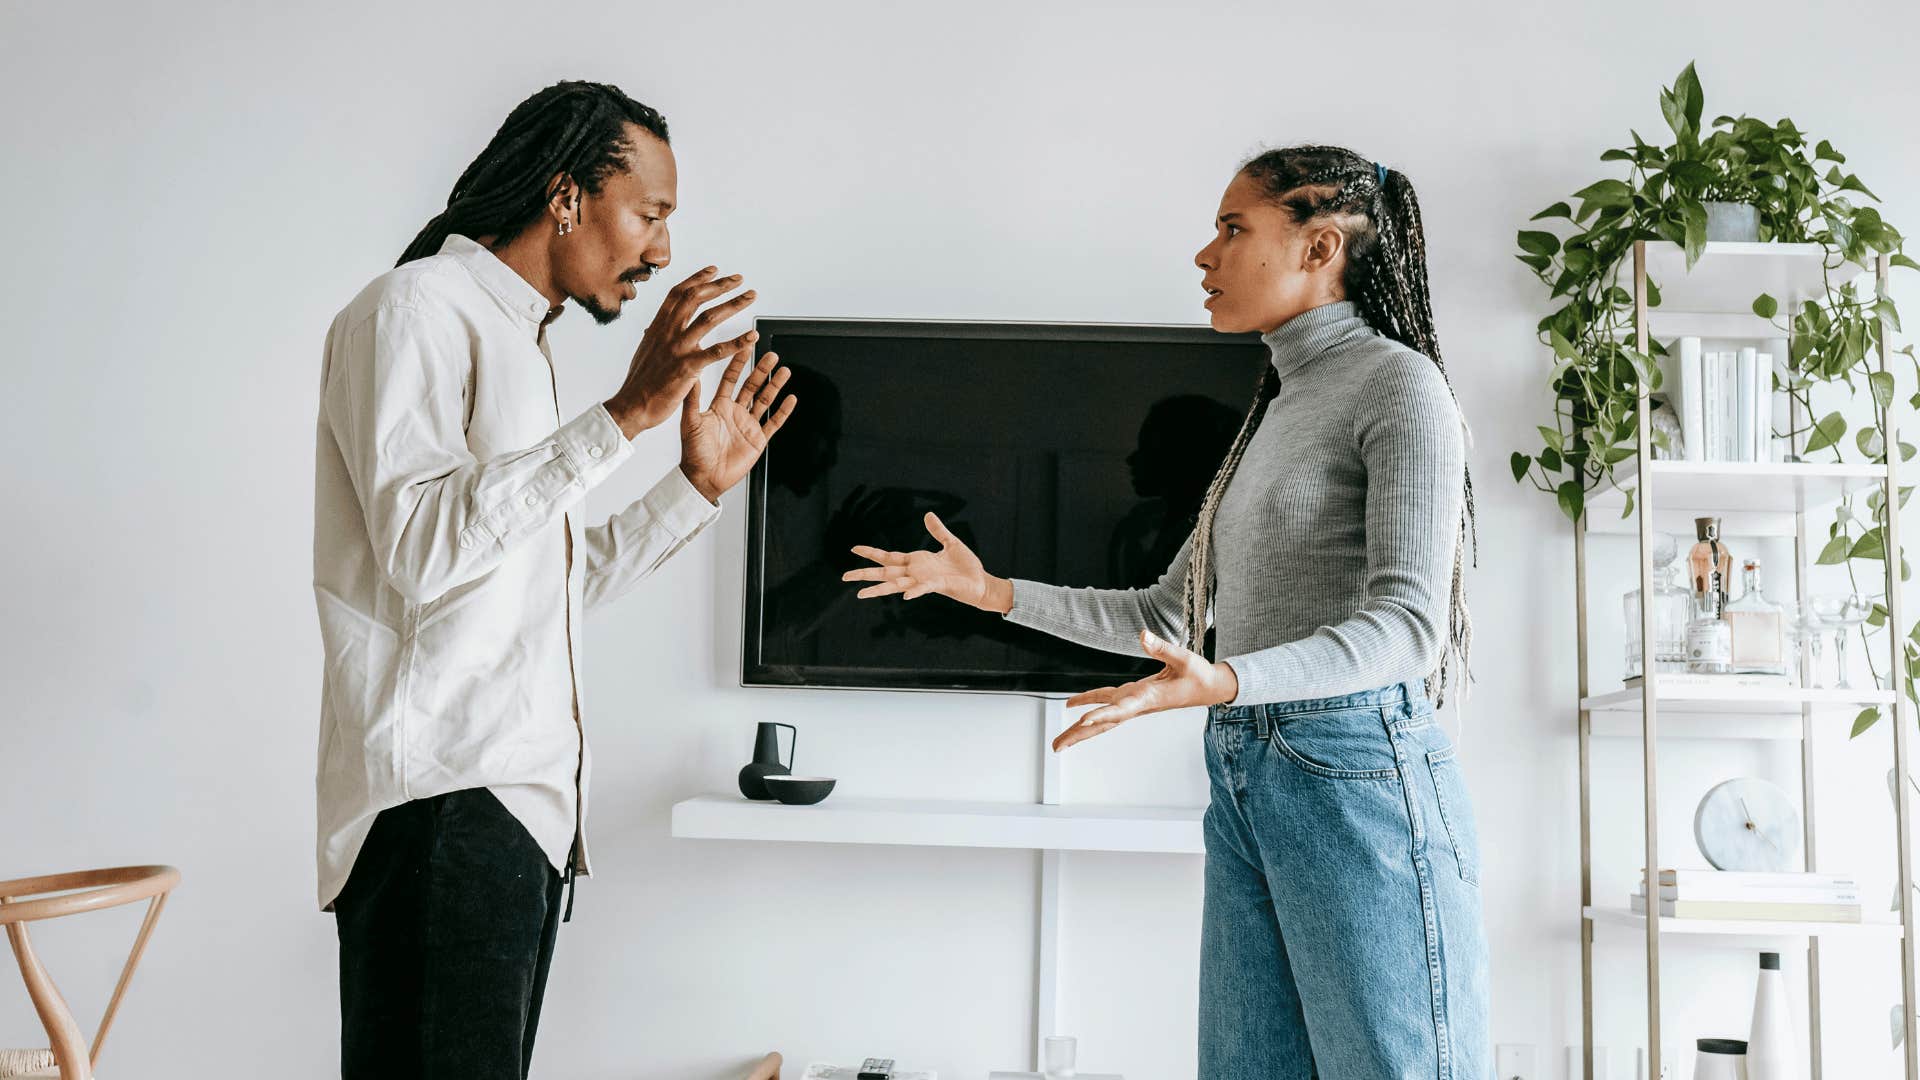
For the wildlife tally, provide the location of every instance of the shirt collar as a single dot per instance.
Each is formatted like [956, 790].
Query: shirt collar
[503, 282]
[1313, 332]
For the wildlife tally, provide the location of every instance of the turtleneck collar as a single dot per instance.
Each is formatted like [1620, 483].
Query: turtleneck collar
[1312, 332]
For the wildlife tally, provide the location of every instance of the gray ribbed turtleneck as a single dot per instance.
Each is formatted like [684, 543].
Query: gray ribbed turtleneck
[1333, 545]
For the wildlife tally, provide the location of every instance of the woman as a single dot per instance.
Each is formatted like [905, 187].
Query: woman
[1342, 934]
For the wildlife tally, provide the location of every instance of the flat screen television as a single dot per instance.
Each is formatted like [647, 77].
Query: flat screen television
[1075, 454]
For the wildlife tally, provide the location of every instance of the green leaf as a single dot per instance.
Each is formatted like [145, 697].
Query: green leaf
[1867, 718]
[1552, 435]
[1605, 193]
[1521, 463]
[1557, 210]
[1627, 511]
[1539, 243]
[1825, 433]
[1826, 152]
[1902, 260]
[1619, 454]
[1870, 443]
[1834, 553]
[1872, 545]
[1881, 383]
[1687, 88]
[1766, 306]
[1561, 346]
[1550, 459]
[1572, 499]
[1906, 451]
[1694, 217]
[1878, 616]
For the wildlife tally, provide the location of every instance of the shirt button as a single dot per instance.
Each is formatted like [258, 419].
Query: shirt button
[533, 500]
[594, 451]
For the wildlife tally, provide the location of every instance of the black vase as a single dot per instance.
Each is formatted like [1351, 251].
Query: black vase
[766, 760]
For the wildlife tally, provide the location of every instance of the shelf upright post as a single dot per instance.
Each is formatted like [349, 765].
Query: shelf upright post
[1649, 693]
[1902, 805]
[1807, 673]
[1585, 733]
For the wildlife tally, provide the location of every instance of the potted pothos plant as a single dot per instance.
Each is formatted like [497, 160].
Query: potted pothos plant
[1800, 193]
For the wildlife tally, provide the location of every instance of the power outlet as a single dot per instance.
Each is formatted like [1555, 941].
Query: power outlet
[1514, 1061]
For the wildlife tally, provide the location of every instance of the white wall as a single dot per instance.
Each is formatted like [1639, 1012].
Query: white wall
[195, 188]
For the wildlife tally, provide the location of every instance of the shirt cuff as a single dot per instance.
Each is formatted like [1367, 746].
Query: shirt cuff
[593, 445]
[677, 504]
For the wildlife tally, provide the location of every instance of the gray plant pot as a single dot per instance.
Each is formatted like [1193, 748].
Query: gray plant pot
[1733, 221]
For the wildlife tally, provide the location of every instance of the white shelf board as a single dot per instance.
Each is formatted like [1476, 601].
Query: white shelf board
[1621, 917]
[1729, 275]
[1734, 700]
[1778, 727]
[942, 823]
[1752, 498]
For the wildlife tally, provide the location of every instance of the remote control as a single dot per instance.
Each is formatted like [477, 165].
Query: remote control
[876, 1069]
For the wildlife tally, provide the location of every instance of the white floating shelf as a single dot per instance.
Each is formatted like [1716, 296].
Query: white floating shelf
[1625, 918]
[1754, 701]
[1729, 275]
[940, 823]
[1773, 727]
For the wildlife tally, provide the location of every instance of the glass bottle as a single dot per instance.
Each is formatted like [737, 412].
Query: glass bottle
[1758, 628]
[1709, 564]
[1709, 638]
[1672, 610]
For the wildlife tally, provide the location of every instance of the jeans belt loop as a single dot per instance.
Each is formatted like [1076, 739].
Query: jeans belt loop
[1262, 724]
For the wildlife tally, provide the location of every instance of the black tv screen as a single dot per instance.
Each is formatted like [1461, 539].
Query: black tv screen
[1063, 453]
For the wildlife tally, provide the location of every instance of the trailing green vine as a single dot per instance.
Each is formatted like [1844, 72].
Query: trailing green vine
[1801, 195]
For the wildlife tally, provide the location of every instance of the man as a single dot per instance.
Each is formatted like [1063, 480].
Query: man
[450, 568]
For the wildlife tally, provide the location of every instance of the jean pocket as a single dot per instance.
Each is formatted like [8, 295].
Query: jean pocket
[1456, 812]
[1339, 744]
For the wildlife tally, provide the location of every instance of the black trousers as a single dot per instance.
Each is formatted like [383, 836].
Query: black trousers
[447, 926]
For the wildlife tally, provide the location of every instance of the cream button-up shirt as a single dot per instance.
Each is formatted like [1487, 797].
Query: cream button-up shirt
[449, 562]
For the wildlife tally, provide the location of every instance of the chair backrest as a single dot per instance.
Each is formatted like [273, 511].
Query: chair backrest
[83, 890]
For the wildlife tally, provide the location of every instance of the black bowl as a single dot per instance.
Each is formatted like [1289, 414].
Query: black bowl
[799, 790]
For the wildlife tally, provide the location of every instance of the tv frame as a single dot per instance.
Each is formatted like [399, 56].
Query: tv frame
[1041, 685]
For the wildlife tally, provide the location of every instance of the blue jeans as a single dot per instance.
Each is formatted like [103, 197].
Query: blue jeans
[1342, 936]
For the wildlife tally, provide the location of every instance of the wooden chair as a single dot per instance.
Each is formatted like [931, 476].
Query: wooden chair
[87, 890]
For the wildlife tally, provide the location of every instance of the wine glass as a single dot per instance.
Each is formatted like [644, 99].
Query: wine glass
[1854, 610]
[1837, 613]
[1806, 629]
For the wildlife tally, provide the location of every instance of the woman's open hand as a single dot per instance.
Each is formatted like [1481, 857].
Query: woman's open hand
[1187, 680]
[954, 572]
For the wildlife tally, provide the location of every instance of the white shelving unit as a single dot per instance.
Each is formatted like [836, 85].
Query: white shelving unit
[1752, 499]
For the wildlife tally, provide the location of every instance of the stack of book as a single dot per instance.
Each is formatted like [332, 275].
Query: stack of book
[1722, 894]
[1725, 402]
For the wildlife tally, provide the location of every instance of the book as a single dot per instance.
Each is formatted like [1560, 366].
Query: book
[1756, 896]
[820, 1070]
[1692, 404]
[1746, 409]
[1729, 405]
[1727, 909]
[1711, 396]
[1762, 406]
[1762, 879]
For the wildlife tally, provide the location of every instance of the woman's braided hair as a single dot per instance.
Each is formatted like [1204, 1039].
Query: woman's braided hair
[577, 129]
[1386, 278]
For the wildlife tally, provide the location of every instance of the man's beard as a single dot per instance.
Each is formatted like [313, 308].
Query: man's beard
[601, 313]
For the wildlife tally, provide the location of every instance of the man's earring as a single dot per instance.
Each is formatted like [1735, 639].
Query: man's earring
[566, 226]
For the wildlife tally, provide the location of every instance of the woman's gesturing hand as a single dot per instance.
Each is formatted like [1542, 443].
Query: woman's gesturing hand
[954, 572]
[1187, 680]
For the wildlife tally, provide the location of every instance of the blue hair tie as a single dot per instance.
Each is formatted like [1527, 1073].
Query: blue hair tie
[1380, 173]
